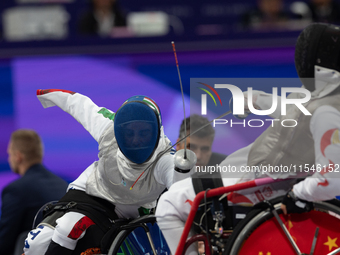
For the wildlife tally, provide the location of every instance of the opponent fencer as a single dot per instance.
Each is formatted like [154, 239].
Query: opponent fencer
[308, 144]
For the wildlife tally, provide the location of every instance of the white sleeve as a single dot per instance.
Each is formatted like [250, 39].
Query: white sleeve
[264, 101]
[80, 182]
[324, 184]
[93, 118]
[165, 173]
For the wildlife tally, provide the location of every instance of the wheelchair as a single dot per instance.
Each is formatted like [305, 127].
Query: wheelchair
[139, 236]
[266, 231]
[263, 231]
[313, 232]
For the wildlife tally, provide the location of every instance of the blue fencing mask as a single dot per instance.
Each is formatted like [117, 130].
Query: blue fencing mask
[137, 126]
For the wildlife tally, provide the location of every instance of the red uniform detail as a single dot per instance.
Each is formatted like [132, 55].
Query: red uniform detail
[45, 91]
[189, 201]
[324, 183]
[326, 140]
[83, 224]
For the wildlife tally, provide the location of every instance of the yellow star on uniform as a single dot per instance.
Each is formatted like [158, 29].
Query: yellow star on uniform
[335, 137]
[331, 243]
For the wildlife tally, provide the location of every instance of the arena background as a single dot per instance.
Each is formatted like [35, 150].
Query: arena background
[209, 42]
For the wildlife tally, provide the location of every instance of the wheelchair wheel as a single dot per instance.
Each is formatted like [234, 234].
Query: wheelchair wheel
[260, 233]
[139, 237]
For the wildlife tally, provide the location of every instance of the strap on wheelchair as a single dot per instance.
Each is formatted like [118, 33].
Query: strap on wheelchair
[99, 210]
[204, 181]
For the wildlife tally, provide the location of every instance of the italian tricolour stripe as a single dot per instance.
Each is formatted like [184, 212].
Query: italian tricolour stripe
[152, 103]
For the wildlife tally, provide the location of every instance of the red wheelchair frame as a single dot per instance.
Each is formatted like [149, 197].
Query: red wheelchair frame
[185, 242]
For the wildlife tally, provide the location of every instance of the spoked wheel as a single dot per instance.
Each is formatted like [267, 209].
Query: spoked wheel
[139, 237]
[316, 232]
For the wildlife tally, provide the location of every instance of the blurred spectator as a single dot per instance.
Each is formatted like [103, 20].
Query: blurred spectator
[269, 15]
[101, 18]
[200, 142]
[23, 198]
[325, 11]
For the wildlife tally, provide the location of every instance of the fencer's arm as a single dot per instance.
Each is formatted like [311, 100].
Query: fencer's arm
[82, 108]
[318, 187]
[264, 101]
[260, 100]
[167, 171]
[164, 170]
[325, 184]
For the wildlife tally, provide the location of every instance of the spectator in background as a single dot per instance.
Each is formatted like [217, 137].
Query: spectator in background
[200, 142]
[23, 198]
[269, 15]
[101, 18]
[326, 11]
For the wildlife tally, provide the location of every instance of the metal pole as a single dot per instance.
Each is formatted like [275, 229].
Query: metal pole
[285, 230]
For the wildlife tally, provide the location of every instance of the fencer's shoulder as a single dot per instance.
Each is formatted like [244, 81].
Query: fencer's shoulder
[325, 113]
[168, 156]
[324, 118]
[326, 109]
[166, 161]
[107, 136]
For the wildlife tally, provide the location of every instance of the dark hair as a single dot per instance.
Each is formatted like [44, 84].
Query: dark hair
[194, 122]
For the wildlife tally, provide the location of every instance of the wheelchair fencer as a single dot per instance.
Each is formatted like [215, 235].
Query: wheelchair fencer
[134, 166]
[313, 142]
[263, 230]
